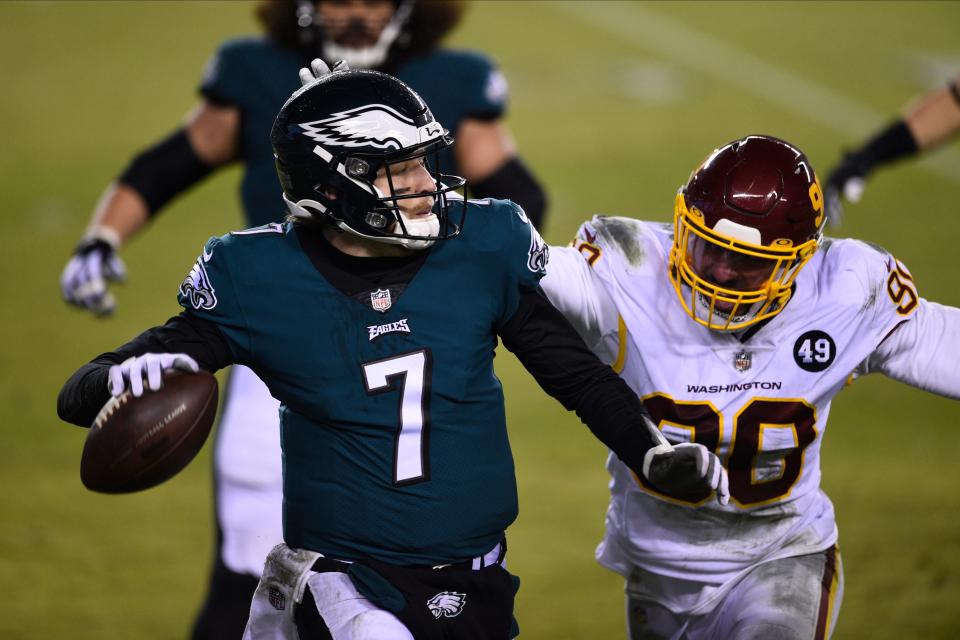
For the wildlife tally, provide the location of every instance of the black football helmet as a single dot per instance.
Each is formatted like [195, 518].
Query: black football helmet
[332, 137]
[755, 205]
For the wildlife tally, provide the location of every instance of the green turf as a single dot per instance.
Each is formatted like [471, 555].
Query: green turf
[613, 113]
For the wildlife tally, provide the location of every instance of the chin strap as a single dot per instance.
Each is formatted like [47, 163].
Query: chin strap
[420, 227]
[431, 226]
[299, 208]
[307, 209]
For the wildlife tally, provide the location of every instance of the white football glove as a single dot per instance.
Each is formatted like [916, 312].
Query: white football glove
[132, 370]
[93, 265]
[686, 471]
[318, 68]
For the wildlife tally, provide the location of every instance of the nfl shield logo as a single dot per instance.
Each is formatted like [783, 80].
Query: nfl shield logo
[742, 361]
[380, 300]
[277, 600]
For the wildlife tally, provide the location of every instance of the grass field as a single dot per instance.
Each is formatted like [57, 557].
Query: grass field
[613, 105]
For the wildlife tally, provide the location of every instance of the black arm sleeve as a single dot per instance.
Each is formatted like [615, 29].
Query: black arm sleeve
[551, 350]
[514, 181]
[892, 143]
[954, 87]
[86, 391]
[165, 170]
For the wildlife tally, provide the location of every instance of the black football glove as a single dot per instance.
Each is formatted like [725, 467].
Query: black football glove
[846, 182]
[687, 471]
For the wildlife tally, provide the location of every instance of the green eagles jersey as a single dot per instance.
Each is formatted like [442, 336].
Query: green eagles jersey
[257, 76]
[392, 420]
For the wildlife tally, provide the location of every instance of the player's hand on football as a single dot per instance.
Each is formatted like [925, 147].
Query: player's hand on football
[131, 372]
[845, 182]
[92, 267]
[318, 68]
[687, 471]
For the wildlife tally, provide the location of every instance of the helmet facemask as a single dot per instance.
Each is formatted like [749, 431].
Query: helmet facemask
[386, 218]
[355, 204]
[313, 29]
[762, 276]
[748, 219]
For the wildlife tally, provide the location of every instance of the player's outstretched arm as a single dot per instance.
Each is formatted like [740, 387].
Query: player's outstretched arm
[185, 342]
[551, 350]
[931, 121]
[153, 178]
[922, 351]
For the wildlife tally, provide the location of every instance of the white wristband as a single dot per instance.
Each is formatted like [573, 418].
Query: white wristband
[105, 233]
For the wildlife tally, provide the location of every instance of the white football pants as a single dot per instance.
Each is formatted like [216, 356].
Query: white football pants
[249, 473]
[794, 598]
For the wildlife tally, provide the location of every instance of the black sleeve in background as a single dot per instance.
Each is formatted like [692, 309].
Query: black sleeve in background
[892, 143]
[162, 172]
[217, 99]
[86, 391]
[552, 351]
[514, 181]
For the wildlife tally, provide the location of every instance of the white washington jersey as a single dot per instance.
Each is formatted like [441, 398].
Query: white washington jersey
[759, 401]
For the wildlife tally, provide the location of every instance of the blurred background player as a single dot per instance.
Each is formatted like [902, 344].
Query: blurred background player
[243, 88]
[737, 325]
[398, 478]
[934, 119]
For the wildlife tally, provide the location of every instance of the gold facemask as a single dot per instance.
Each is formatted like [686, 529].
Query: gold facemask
[771, 271]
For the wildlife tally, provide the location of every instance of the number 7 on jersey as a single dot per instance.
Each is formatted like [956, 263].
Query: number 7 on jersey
[408, 373]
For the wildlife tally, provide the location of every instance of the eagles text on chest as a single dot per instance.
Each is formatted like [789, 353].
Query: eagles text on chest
[377, 330]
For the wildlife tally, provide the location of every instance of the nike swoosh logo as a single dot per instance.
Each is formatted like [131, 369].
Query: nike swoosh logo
[207, 255]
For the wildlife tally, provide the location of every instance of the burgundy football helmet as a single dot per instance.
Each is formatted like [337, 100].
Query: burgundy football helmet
[748, 219]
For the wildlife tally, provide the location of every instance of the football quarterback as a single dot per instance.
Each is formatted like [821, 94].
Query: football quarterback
[242, 89]
[737, 325]
[398, 479]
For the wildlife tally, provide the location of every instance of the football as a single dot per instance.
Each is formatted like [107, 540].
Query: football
[137, 443]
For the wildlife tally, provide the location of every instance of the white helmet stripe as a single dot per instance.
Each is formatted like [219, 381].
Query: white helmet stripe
[342, 170]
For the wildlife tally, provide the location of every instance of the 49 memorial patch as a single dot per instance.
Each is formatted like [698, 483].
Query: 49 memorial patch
[814, 351]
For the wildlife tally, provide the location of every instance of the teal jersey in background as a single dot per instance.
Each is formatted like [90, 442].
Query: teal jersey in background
[392, 422]
[257, 76]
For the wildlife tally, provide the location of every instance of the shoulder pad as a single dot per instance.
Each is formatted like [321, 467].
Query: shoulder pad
[883, 280]
[627, 237]
[461, 60]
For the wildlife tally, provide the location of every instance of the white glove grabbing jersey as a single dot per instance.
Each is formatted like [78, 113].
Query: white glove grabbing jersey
[686, 471]
[760, 404]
